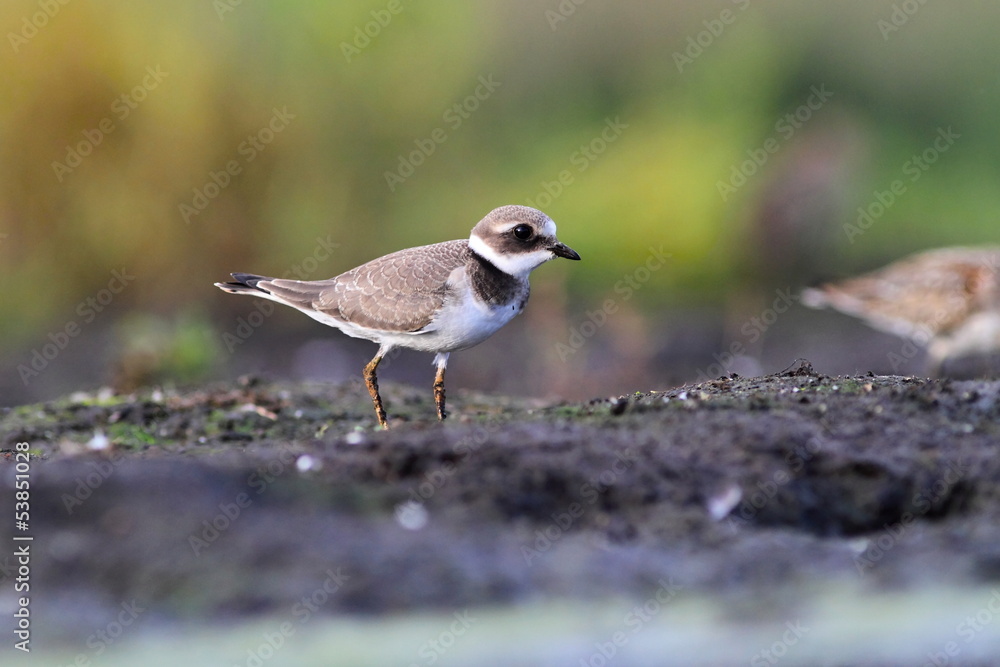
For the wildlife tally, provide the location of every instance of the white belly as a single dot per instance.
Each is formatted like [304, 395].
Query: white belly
[461, 323]
[467, 323]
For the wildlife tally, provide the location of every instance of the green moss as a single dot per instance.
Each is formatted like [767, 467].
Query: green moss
[130, 435]
[851, 386]
[570, 411]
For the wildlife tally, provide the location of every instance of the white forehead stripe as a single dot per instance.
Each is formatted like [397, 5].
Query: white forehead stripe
[547, 229]
[516, 264]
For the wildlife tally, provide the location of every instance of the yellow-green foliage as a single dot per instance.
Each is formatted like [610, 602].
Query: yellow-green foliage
[227, 67]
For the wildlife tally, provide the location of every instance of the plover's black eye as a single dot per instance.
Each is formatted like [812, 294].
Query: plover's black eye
[522, 232]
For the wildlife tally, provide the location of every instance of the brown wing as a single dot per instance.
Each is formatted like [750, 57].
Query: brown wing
[399, 292]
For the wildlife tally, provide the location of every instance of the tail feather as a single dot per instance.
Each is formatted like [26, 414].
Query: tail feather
[244, 283]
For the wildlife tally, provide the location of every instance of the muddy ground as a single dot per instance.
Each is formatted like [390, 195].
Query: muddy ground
[229, 504]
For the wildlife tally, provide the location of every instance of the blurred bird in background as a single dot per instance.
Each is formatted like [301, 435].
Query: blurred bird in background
[946, 299]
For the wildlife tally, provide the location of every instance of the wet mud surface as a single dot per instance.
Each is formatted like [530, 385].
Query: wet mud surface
[232, 501]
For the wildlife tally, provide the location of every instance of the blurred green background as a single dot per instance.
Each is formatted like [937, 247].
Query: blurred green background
[176, 142]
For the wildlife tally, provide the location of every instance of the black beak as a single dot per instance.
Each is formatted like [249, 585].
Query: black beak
[563, 250]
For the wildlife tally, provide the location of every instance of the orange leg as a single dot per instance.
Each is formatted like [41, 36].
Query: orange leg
[439, 393]
[441, 361]
[371, 381]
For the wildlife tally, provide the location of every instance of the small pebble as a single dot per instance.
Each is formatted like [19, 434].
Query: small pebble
[719, 506]
[411, 515]
[98, 442]
[858, 545]
[305, 463]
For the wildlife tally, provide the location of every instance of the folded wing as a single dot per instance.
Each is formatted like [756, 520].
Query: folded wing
[400, 292]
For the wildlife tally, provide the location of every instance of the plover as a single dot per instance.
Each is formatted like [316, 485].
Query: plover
[947, 299]
[435, 298]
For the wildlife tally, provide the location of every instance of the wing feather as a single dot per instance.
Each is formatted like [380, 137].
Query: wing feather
[400, 292]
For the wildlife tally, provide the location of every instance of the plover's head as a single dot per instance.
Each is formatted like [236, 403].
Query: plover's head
[516, 239]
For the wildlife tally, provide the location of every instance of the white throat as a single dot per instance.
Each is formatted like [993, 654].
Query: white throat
[518, 265]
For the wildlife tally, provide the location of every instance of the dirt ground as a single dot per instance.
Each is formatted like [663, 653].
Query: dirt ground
[231, 503]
